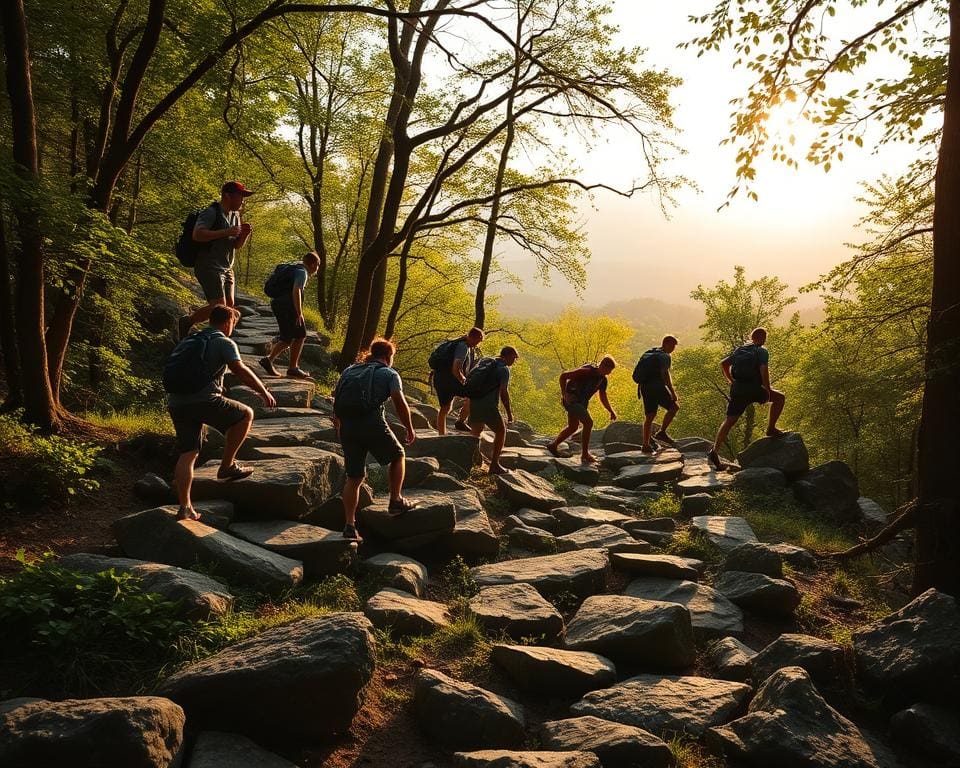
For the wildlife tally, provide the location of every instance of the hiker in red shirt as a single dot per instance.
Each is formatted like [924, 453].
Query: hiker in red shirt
[576, 388]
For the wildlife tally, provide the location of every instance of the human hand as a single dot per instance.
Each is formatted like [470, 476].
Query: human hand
[268, 399]
[233, 232]
[245, 229]
[411, 436]
[613, 416]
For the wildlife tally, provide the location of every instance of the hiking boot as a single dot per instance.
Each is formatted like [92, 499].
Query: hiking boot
[714, 458]
[774, 432]
[664, 437]
[350, 533]
[183, 327]
[234, 472]
[461, 426]
[400, 506]
[267, 364]
[648, 449]
[298, 373]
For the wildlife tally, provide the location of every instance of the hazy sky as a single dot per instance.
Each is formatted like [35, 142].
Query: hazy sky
[796, 231]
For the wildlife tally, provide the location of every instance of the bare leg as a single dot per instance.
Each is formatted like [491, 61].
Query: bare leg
[395, 474]
[203, 313]
[277, 349]
[724, 431]
[585, 456]
[668, 417]
[777, 401]
[465, 410]
[234, 438]
[573, 424]
[351, 499]
[648, 427]
[296, 347]
[499, 438]
[183, 478]
[442, 419]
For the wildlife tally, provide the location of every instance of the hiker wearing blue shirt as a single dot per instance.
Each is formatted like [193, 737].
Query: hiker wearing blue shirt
[285, 288]
[362, 428]
[655, 388]
[222, 233]
[746, 370]
[487, 386]
[450, 363]
[193, 378]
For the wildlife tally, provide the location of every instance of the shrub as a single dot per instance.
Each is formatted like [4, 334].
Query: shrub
[456, 581]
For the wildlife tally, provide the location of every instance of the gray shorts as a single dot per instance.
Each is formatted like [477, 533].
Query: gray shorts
[216, 283]
[189, 420]
[367, 435]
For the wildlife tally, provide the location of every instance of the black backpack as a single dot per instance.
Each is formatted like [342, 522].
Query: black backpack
[585, 388]
[280, 283]
[187, 249]
[353, 396]
[648, 366]
[442, 356]
[745, 363]
[185, 371]
[483, 378]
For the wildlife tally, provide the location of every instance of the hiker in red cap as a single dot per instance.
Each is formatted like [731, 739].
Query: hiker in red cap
[220, 229]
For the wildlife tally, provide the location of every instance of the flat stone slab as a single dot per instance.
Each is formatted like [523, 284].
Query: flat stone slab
[473, 535]
[523, 489]
[288, 432]
[287, 487]
[403, 614]
[323, 552]
[435, 515]
[460, 450]
[726, 533]
[647, 632]
[666, 566]
[500, 758]
[608, 497]
[710, 482]
[517, 610]
[213, 749]
[711, 614]
[667, 704]
[617, 745]
[570, 519]
[157, 536]
[554, 671]
[617, 461]
[199, 596]
[573, 469]
[580, 572]
[732, 659]
[758, 593]
[545, 520]
[399, 571]
[607, 537]
[640, 474]
[786, 453]
[288, 393]
[821, 659]
[530, 459]
[524, 537]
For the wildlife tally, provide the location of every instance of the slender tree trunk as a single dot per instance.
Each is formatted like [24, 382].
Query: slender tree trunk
[40, 405]
[938, 523]
[8, 337]
[391, 325]
[378, 290]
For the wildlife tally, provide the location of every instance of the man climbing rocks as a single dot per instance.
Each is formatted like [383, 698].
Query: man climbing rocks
[220, 229]
[450, 362]
[577, 386]
[486, 387]
[746, 370]
[655, 388]
[193, 379]
[285, 289]
[362, 428]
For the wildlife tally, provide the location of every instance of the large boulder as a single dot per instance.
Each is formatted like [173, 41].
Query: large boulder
[473, 535]
[555, 671]
[667, 704]
[534, 519]
[291, 431]
[575, 470]
[516, 610]
[301, 680]
[758, 593]
[651, 633]
[830, 489]
[323, 552]
[157, 536]
[463, 716]
[711, 614]
[709, 482]
[531, 539]
[617, 745]
[786, 453]
[213, 749]
[912, 654]
[789, 724]
[401, 613]
[581, 572]
[419, 469]
[623, 432]
[501, 758]
[665, 566]
[640, 474]
[725, 533]
[289, 393]
[132, 732]
[870, 513]
[458, 450]
[523, 489]
[928, 730]
[435, 515]
[821, 659]
[754, 557]
[398, 571]
[760, 480]
[608, 537]
[731, 659]
[198, 596]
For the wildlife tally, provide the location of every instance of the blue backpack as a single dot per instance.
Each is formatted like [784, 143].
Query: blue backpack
[353, 397]
[280, 283]
[647, 369]
[185, 371]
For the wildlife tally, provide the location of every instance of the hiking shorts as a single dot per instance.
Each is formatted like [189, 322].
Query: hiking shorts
[221, 413]
[216, 283]
[286, 315]
[364, 436]
[655, 396]
[447, 386]
[485, 411]
[577, 409]
[743, 394]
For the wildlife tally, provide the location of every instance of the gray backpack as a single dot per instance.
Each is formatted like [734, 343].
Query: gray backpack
[353, 397]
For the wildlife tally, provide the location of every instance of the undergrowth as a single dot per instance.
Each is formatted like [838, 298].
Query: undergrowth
[133, 423]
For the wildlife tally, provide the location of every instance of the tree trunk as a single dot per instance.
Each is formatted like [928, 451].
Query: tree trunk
[8, 337]
[391, 326]
[40, 406]
[938, 522]
[378, 291]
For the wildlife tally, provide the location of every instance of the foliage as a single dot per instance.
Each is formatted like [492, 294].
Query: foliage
[456, 581]
[134, 422]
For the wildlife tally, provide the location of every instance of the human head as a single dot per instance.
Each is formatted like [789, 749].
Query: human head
[232, 195]
[474, 336]
[509, 355]
[759, 336]
[669, 344]
[311, 261]
[224, 318]
[607, 364]
[383, 350]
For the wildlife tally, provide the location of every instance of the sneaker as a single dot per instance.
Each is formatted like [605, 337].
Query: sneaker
[647, 449]
[350, 533]
[714, 458]
[183, 327]
[267, 364]
[461, 426]
[298, 373]
[234, 472]
[401, 506]
[774, 432]
[664, 437]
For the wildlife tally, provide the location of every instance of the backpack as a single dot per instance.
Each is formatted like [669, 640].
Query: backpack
[187, 249]
[185, 371]
[648, 366]
[280, 283]
[584, 388]
[744, 363]
[353, 397]
[483, 378]
[442, 356]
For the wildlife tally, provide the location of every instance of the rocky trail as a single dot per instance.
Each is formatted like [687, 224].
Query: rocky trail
[629, 645]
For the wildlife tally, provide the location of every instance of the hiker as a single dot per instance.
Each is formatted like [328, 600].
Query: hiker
[655, 388]
[577, 386]
[486, 386]
[219, 227]
[450, 363]
[285, 289]
[193, 379]
[746, 370]
[362, 428]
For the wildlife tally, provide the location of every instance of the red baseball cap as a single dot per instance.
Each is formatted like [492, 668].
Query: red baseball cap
[233, 187]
